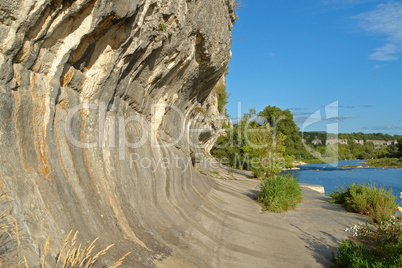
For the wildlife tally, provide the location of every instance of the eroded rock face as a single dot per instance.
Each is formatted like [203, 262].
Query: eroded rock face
[98, 116]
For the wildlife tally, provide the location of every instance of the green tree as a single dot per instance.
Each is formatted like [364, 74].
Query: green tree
[252, 146]
[282, 122]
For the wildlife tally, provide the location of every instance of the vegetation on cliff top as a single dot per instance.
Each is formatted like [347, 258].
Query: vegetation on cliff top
[359, 145]
[222, 97]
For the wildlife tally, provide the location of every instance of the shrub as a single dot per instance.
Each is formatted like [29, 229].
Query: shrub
[257, 173]
[201, 110]
[353, 255]
[280, 193]
[382, 247]
[367, 199]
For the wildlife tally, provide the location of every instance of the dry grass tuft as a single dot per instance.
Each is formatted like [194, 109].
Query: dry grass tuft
[71, 255]
[237, 4]
[76, 256]
[120, 261]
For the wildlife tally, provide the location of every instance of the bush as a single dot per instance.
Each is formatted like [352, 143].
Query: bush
[382, 247]
[257, 173]
[353, 255]
[280, 193]
[367, 199]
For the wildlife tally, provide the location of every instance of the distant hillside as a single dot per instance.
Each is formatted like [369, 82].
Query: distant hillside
[355, 145]
[324, 138]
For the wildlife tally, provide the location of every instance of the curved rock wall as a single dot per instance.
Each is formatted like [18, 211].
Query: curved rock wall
[103, 107]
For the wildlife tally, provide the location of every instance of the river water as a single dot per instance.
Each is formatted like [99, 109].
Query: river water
[331, 177]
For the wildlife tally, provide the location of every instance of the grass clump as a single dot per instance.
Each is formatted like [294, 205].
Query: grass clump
[222, 97]
[161, 27]
[200, 110]
[385, 162]
[77, 256]
[279, 193]
[367, 199]
[380, 246]
[71, 255]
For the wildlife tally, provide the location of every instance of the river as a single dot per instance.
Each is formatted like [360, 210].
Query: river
[331, 177]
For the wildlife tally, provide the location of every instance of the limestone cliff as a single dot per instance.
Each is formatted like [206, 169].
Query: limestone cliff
[94, 95]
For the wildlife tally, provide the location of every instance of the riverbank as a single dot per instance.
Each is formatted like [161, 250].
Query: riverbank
[385, 162]
[295, 165]
[346, 172]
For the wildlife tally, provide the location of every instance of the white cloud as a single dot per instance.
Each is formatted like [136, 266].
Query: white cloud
[300, 113]
[297, 108]
[385, 53]
[386, 20]
[366, 106]
[341, 118]
[358, 106]
[344, 3]
[379, 66]
[303, 119]
[388, 127]
[269, 55]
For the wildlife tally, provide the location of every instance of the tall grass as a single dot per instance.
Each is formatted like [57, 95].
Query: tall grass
[367, 199]
[71, 255]
[280, 193]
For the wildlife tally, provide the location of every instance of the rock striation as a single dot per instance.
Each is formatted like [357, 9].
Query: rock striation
[100, 123]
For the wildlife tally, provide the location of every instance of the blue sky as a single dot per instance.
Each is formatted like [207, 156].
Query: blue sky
[305, 55]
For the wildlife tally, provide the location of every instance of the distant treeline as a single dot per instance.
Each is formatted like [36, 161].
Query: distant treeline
[347, 146]
[272, 134]
[359, 136]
